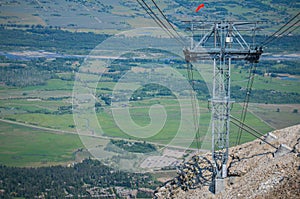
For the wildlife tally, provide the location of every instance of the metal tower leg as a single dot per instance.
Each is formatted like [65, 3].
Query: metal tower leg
[220, 118]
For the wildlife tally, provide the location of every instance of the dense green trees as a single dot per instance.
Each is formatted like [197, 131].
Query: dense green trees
[134, 147]
[36, 71]
[21, 77]
[277, 66]
[53, 40]
[59, 181]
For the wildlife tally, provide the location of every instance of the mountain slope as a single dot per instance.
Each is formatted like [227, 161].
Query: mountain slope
[254, 171]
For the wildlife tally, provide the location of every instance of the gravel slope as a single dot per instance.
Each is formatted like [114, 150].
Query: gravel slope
[255, 172]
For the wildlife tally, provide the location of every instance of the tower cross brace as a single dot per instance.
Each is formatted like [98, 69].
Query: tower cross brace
[222, 43]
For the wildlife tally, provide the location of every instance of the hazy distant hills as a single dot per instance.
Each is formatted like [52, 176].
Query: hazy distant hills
[118, 15]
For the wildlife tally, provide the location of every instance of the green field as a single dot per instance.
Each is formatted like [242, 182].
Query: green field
[62, 122]
[24, 146]
[270, 83]
[43, 106]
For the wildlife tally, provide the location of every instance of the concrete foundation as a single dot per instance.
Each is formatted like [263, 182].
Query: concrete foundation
[219, 185]
[270, 137]
[282, 150]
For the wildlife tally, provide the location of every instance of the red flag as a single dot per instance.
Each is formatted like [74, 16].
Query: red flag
[199, 7]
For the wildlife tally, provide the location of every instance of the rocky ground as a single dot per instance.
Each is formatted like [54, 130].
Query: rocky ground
[255, 171]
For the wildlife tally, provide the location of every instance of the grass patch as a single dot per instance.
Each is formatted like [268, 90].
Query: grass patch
[28, 105]
[62, 122]
[140, 116]
[23, 146]
[260, 83]
[52, 84]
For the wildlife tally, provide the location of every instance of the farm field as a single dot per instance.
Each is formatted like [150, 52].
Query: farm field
[277, 115]
[50, 106]
[56, 148]
[40, 112]
[25, 146]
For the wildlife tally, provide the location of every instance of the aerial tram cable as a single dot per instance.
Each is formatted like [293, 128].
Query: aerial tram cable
[158, 21]
[179, 38]
[270, 39]
[293, 29]
[246, 101]
[282, 34]
[250, 130]
[193, 101]
[191, 80]
[161, 12]
[154, 19]
[273, 36]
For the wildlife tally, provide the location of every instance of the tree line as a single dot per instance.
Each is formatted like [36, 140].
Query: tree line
[50, 39]
[60, 181]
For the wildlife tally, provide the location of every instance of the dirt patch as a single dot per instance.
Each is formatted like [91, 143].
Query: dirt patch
[277, 116]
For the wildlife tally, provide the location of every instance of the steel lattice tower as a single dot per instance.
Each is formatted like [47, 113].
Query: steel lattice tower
[222, 43]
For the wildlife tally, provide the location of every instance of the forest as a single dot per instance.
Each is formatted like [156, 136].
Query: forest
[74, 181]
[135, 147]
[50, 39]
